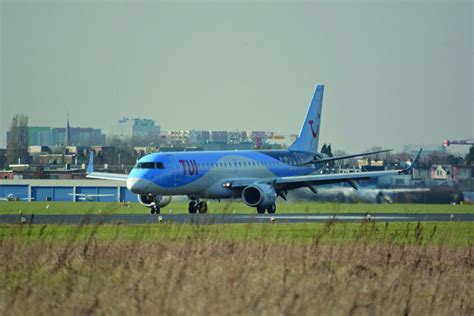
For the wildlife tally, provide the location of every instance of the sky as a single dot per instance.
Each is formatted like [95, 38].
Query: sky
[395, 72]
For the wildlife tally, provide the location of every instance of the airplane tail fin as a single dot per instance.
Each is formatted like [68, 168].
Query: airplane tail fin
[90, 166]
[309, 135]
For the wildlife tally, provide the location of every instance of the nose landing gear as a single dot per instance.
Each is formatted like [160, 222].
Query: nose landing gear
[196, 206]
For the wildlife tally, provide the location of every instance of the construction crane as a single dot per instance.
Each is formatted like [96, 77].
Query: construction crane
[469, 142]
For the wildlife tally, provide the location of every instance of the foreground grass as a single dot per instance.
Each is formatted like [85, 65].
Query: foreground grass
[225, 207]
[443, 233]
[333, 269]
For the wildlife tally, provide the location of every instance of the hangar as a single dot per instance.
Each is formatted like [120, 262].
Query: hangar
[62, 190]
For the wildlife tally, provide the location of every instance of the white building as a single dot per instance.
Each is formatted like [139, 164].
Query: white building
[135, 127]
[441, 172]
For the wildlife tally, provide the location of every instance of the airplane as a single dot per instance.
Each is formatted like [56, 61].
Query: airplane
[257, 177]
[13, 198]
[88, 197]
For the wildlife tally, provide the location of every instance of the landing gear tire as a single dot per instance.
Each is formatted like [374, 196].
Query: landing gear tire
[193, 207]
[155, 210]
[272, 209]
[260, 210]
[202, 207]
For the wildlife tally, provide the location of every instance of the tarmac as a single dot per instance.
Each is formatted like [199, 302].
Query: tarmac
[231, 218]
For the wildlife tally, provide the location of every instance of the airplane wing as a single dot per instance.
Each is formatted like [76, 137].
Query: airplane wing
[21, 199]
[319, 179]
[293, 182]
[351, 178]
[103, 175]
[89, 195]
[107, 176]
[323, 160]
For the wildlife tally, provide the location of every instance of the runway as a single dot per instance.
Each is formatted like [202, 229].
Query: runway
[231, 218]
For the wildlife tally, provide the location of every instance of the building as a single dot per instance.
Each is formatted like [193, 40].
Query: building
[199, 137]
[63, 190]
[441, 172]
[461, 172]
[219, 137]
[365, 163]
[3, 158]
[421, 174]
[39, 136]
[79, 136]
[234, 137]
[182, 136]
[135, 128]
[65, 136]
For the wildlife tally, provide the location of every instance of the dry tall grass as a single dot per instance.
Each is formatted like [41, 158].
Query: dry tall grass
[213, 276]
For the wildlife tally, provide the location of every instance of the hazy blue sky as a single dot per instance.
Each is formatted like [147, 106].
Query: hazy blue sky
[395, 72]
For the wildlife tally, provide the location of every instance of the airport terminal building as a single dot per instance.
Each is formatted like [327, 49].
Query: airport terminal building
[64, 190]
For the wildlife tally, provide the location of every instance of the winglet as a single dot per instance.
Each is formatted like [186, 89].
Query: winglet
[90, 166]
[412, 165]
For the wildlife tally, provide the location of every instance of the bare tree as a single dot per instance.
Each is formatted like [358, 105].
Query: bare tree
[17, 140]
[470, 157]
[123, 149]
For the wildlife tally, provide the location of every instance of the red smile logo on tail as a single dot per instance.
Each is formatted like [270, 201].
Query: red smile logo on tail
[314, 131]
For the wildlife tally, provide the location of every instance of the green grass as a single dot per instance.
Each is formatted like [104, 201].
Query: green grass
[450, 233]
[225, 207]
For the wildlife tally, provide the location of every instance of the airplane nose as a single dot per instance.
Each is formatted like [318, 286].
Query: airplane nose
[137, 185]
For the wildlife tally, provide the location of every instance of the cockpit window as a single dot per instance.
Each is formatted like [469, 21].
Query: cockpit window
[150, 165]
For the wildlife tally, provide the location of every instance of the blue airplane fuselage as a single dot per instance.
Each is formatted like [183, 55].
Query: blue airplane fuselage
[204, 174]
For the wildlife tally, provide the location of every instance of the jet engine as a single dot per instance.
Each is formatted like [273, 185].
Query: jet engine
[259, 195]
[150, 200]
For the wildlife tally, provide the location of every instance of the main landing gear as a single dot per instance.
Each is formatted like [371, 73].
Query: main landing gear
[270, 210]
[196, 206]
[155, 209]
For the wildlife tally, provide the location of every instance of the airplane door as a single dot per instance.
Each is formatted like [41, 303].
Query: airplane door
[177, 170]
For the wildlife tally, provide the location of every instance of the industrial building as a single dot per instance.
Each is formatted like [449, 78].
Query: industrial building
[63, 190]
[66, 136]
